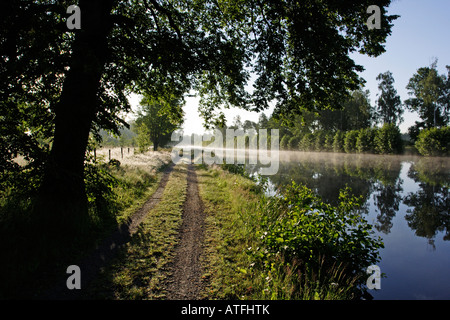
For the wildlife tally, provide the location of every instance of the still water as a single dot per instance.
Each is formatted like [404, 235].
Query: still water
[407, 202]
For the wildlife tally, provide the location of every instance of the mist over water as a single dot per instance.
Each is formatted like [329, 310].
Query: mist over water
[406, 199]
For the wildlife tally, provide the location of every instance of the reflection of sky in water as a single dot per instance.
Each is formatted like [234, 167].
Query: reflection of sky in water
[416, 267]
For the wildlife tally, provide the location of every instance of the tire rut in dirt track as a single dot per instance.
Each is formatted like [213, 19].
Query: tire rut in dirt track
[185, 281]
[92, 265]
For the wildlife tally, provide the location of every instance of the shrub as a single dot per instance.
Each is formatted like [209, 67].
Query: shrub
[328, 143]
[350, 141]
[293, 143]
[284, 142]
[319, 140]
[307, 142]
[338, 141]
[365, 140]
[299, 227]
[143, 138]
[388, 139]
[434, 142]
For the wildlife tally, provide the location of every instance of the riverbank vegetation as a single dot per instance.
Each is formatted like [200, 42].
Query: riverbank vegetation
[434, 142]
[292, 246]
[356, 125]
[384, 140]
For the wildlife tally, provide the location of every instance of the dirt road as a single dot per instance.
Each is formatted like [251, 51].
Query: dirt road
[185, 281]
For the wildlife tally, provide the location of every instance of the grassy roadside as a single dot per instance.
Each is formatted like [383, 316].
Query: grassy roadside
[230, 229]
[141, 266]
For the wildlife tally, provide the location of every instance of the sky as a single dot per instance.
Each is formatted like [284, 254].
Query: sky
[419, 36]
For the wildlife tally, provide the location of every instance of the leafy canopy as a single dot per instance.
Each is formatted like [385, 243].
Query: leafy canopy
[389, 105]
[232, 53]
[430, 96]
[157, 119]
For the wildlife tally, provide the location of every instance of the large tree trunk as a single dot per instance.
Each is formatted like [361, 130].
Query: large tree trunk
[62, 202]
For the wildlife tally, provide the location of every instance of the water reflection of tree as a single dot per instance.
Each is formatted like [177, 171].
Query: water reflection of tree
[434, 171]
[387, 199]
[326, 178]
[429, 212]
[379, 176]
[387, 193]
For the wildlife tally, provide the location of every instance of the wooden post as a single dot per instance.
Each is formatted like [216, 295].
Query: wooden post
[95, 154]
[109, 152]
[121, 152]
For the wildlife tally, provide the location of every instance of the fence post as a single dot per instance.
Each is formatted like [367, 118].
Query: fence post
[109, 154]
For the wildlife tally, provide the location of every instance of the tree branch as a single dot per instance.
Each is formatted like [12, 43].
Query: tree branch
[168, 14]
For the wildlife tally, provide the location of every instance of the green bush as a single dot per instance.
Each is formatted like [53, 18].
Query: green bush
[434, 142]
[350, 141]
[319, 140]
[338, 141]
[299, 227]
[307, 142]
[388, 139]
[284, 142]
[328, 143]
[293, 143]
[365, 140]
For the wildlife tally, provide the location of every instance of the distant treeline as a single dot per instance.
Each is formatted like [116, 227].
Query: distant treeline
[359, 126]
[377, 140]
[127, 138]
[384, 140]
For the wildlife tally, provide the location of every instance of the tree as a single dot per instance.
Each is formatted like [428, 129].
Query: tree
[434, 142]
[365, 140]
[160, 118]
[389, 105]
[445, 97]
[78, 80]
[263, 121]
[249, 125]
[237, 123]
[350, 141]
[358, 111]
[430, 97]
[143, 137]
[355, 113]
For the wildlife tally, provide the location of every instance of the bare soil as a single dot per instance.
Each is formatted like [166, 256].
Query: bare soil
[185, 282]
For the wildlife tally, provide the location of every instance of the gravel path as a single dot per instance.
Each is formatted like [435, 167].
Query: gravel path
[185, 282]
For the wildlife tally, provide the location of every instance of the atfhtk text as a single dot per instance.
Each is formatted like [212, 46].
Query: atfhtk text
[231, 309]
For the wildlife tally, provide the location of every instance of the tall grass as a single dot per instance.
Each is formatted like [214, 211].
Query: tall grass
[299, 281]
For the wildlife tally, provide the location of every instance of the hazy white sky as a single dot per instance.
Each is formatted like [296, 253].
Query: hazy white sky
[419, 36]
